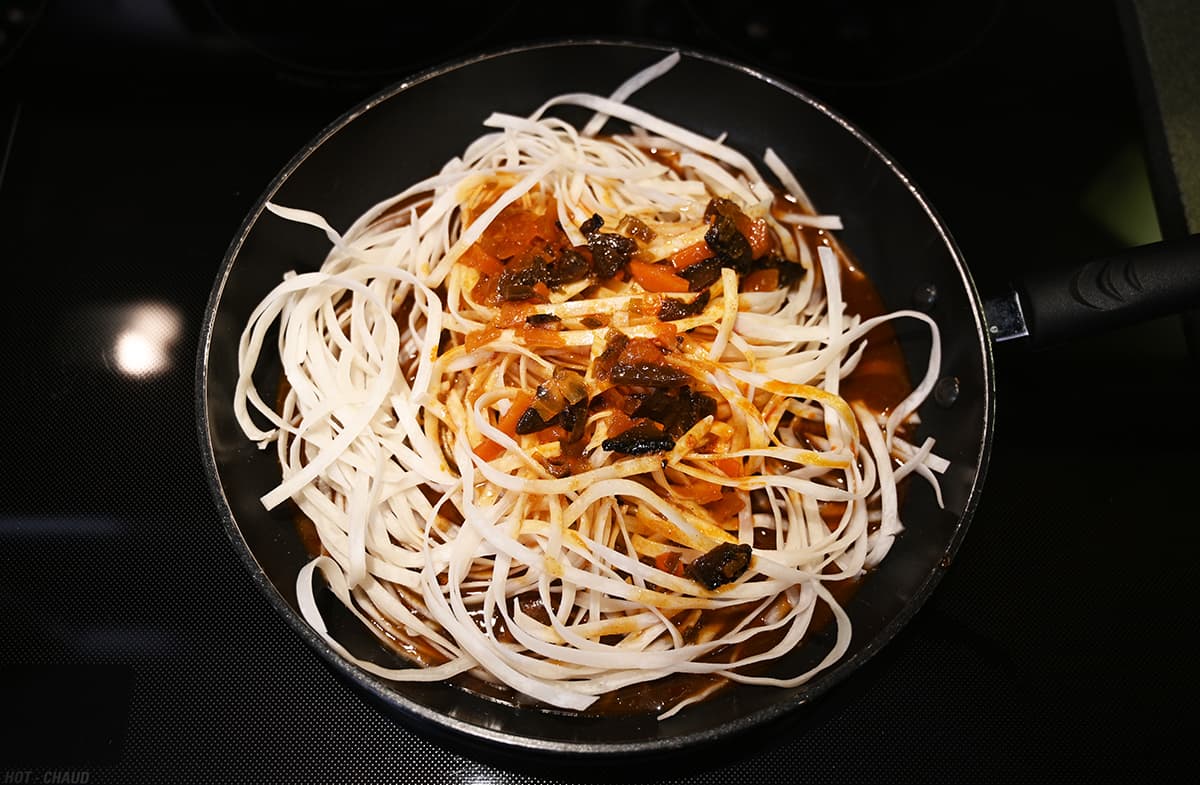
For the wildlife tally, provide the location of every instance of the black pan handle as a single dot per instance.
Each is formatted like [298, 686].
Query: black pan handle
[1129, 286]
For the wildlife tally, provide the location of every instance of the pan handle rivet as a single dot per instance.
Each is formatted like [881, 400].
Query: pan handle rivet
[925, 296]
[945, 392]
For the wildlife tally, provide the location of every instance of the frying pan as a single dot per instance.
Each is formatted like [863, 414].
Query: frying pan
[405, 133]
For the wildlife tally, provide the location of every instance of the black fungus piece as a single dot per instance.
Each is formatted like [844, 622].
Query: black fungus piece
[672, 308]
[558, 467]
[617, 341]
[517, 280]
[532, 422]
[648, 375]
[719, 206]
[693, 407]
[591, 225]
[516, 283]
[677, 411]
[702, 275]
[728, 243]
[541, 319]
[567, 266]
[723, 564]
[645, 438]
[574, 418]
[610, 252]
[659, 406]
[789, 272]
[727, 208]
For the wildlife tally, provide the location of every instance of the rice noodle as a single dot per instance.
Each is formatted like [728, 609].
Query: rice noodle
[456, 539]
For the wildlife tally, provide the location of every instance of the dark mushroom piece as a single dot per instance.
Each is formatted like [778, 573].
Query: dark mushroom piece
[723, 564]
[672, 308]
[648, 375]
[563, 391]
[644, 438]
[676, 411]
[610, 252]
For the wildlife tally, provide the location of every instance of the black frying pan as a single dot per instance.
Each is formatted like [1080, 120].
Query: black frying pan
[403, 135]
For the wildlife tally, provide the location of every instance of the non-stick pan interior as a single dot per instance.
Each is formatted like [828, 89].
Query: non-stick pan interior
[406, 134]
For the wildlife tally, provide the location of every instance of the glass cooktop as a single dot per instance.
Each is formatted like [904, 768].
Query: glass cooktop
[135, 136]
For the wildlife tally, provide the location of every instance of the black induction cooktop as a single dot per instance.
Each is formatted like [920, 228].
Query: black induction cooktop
[135, 136]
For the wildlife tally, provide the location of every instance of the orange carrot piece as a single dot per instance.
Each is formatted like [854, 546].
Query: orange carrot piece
[732, 467]
[700, 491]
[512, 314]
[689, 255]
[657, 277]
[488, 449]
[758, 235]
[669, 562]
[729, 505]
[480, 337]
[481, 260]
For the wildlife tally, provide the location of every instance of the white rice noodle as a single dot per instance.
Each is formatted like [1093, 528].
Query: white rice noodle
[395, 438]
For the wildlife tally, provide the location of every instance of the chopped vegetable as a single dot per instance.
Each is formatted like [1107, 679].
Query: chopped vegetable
[702, 274]
[676, 410]
[657, 277]
[610, 253]
[672, 309]
[696, 252]
[721, 565]
[728, 244]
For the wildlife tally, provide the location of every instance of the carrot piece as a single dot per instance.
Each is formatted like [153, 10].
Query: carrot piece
[480, 337]
[758, 235]
[657, 277]
[481, 260]
[512, 314]
[732, 467]
[619, 422]
[689, 255]
[642, 350]
[555, 433]
[664, 334]
[488, 449]
[729, 505]
[700, 491]
[669, 562]
[517, 228]
[539, 337]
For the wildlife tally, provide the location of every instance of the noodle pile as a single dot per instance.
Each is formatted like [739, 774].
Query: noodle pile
[568, 474]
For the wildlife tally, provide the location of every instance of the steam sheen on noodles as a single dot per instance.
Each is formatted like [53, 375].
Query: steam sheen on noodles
[566, 414]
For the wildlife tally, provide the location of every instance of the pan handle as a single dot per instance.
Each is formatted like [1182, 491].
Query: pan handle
[1130, 286]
